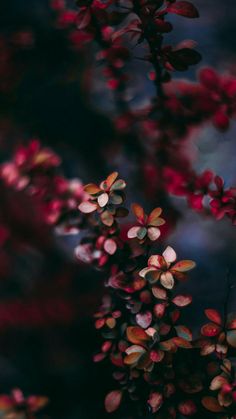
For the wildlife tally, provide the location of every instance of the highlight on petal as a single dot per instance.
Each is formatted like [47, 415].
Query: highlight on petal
[103, 199]
[167, 280]
[110, 246]
[138, 212]
[153, 233]
[87, 207]
[183, 265]
[132, 233]
[169, 254]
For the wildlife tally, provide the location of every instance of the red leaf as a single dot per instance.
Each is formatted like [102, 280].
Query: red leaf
[138, 212]
[182, 300]
[113, 400]
[187, 408]
[182, 343]
[136, 335]
[155, 401]
[214, 316]
[183, 8]
[183, 332]
[210, 330]
[211, 404]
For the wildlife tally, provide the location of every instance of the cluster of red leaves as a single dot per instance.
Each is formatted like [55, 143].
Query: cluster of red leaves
[17, 406]
[169, 125]
[35, 170]
[152, 352]
[111, 23]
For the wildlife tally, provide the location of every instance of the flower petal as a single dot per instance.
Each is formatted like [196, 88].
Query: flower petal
[110, 246]
[113, 400]
[111, 178]
[132, 233]
[87, 207]
[167, 280]
[157, 261]
[106, 184]
[92, 189]
[169, 254]
[153, 233]
[118, 185]
[184, 265]
[144, 271]
[103, 199]
[154, 215]
[138, 212]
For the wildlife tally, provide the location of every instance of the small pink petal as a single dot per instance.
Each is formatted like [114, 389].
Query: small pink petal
[153, 233]
[87, 207]
[110, 246]
[132, 233]
[157, 261]
[167, 280]
[103, 199]
[169, 255]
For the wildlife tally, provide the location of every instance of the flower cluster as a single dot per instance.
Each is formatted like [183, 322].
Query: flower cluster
[34, 170]
[151, 350]
[17, 406]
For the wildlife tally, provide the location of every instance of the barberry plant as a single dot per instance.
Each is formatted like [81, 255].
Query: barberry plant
[158, 365]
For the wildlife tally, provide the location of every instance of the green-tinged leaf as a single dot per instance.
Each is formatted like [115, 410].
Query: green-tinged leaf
[184, 332]
[115, 199]
[107, 218]
[141, 233]
[231, 338]
[181, 342]
[118, 185]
